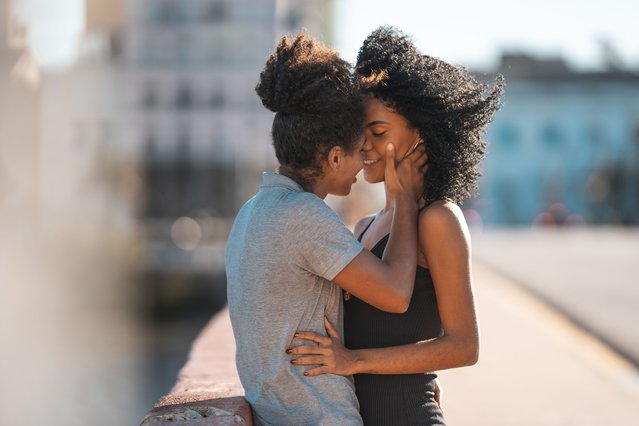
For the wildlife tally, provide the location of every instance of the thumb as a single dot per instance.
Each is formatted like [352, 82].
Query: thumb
[330, 329]
[391, 169]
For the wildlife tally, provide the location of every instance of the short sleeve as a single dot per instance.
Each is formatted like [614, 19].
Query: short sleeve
[319, 241]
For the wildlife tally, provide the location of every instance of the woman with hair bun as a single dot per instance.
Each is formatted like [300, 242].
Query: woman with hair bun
[286, 245]
[412, 100]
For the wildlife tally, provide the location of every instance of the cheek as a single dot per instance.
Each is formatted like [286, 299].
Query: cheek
[380, 146]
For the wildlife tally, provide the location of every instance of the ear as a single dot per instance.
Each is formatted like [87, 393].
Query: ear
[335, 157]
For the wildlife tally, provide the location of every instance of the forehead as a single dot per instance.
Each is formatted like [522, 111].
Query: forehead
[375, 110]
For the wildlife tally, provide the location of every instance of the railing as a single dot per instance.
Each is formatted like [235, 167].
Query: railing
[208, 389]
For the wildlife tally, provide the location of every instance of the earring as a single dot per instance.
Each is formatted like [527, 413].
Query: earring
[410, 151]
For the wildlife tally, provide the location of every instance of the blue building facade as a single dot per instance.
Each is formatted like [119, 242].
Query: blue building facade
[564, 148]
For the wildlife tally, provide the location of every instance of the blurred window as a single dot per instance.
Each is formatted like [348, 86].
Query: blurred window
[183, 145]
[216, 11]
[166, 11]
[552, 136]
[217, 100]
[184, 99]
[150, 99]
[150, 146]
[595, 135]
[293, 19]
[508, 136]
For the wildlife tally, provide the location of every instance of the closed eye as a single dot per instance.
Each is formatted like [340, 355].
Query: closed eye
[378, 134]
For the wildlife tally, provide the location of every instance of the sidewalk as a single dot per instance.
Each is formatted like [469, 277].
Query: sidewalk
[536, 368]
[587, 274]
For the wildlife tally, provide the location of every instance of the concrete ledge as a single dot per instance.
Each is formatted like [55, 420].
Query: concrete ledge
[208, 390]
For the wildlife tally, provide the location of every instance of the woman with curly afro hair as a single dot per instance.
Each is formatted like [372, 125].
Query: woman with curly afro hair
[413, 100]
[286, 245]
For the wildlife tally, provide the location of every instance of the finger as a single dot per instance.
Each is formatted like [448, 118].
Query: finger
[317, 371]
[308, 350]
[331, 330]
[310, 360]
[421, 160]
[313, 337]
[417, 147]
[391, 169]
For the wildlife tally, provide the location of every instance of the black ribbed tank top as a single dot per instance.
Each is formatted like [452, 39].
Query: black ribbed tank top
[395, 399]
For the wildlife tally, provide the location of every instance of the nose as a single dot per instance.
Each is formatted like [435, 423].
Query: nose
[367, 145]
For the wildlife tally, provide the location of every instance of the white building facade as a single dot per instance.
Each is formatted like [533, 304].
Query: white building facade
[194, 122]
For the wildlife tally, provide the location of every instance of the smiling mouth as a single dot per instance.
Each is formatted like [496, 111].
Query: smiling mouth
[370, 162]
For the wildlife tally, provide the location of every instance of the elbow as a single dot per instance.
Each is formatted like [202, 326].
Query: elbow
[400, 308]
[464, 350]
[471, 352]
[401, 303]
[398, 305]
[396, 297]
[472, 357]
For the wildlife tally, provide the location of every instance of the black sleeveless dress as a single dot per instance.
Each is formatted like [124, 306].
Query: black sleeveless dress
[395, 399]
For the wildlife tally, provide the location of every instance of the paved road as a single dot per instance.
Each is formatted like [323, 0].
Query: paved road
[590, 275]
[537, 368]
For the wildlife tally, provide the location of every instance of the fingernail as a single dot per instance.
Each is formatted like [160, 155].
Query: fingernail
[293, 361]
[306, 373]
[296, 335]
[288, 351]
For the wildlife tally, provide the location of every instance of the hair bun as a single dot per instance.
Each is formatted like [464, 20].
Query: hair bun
[300, 77]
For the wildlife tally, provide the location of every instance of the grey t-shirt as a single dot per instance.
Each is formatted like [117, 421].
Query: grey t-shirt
[284, 248]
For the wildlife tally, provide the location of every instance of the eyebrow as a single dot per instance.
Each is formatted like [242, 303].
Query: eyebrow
[372, 123]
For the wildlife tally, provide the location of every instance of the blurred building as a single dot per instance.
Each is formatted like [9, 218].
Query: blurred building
[203, 136]
[564, 148]
[131, 161]
[90, 178]
[19, 127]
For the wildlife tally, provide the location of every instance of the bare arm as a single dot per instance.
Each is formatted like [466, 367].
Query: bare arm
[388, 283]
[445, 241]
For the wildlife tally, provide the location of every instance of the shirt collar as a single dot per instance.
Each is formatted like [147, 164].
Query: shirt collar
[271, 179]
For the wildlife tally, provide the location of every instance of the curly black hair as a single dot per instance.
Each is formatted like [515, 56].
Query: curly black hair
[446, 105]
[317, 105]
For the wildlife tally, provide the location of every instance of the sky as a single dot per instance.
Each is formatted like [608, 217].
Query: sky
[473, 33]
[55, 27]
[465, 32]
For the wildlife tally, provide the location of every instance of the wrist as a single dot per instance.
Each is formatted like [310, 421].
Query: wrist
[359, 361]
[405, 202]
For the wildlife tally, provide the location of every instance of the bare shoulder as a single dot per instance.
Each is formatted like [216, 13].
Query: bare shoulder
[362, 224]
[442, 217]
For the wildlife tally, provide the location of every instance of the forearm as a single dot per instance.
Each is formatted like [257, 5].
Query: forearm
[401, 251]
[431, 355]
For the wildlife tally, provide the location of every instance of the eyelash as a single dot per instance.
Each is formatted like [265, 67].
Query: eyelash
[377, 134]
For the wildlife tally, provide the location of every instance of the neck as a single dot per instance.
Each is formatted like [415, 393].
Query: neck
[318, 189]
[302, 179]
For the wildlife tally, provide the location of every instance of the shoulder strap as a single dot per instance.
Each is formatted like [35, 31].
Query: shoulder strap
[365, 229]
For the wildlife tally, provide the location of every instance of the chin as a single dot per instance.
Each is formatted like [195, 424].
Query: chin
[345, 192]
[341, 192]
[373, 178]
